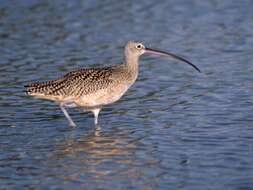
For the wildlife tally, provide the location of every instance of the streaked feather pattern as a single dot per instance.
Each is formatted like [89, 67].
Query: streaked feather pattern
[76, 83]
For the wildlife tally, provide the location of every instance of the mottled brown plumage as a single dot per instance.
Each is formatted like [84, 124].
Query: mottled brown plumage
[93, 88]
[75, 83]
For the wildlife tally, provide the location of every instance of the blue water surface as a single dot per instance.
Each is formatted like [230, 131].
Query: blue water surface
[174, 129]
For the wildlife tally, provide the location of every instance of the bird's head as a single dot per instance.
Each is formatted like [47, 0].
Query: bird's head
[136, 49]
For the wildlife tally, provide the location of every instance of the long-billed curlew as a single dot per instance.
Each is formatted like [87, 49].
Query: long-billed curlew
[93, 88]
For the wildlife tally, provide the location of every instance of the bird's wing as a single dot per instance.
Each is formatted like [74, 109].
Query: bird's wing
[75, 83]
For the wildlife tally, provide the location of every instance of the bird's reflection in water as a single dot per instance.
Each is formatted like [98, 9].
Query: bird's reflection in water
[96, 155]
[117, 156]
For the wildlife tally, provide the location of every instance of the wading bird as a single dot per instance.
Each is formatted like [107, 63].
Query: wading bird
[93, 88]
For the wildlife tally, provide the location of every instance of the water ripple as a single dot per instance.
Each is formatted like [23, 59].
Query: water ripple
[174, 129]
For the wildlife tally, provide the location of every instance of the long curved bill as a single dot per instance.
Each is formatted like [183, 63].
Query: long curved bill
[163, 53]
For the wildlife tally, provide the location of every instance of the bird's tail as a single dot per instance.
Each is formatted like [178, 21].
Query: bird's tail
[38, 88]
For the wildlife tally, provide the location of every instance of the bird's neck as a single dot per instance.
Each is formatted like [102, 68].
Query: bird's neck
[132, 67]
[132, 63]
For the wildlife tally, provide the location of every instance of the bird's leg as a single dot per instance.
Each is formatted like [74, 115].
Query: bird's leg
[71, 122]
[96, 113]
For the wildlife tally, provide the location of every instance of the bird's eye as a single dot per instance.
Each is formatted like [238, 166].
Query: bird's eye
[139, 46]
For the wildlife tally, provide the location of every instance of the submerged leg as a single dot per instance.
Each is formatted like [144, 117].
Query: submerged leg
[96, 113]
[71, 122]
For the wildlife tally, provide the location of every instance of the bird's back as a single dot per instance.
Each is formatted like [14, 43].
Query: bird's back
[76, 83]
[103, 83]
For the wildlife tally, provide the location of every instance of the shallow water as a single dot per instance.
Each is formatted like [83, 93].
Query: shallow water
[174, 129]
